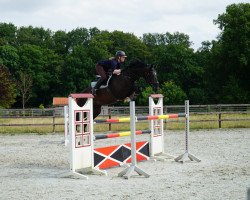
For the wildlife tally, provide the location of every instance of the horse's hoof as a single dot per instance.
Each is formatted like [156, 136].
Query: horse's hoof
[127, 99]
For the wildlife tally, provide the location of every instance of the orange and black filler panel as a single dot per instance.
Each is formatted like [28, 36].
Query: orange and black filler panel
[114, 156]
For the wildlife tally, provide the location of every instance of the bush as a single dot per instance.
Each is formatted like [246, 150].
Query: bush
[173, 94]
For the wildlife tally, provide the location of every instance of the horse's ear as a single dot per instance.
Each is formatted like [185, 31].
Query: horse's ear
[151, 66]
[155, 66]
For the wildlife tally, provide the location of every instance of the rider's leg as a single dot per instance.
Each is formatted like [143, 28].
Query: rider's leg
[101, 72]
[97, 85]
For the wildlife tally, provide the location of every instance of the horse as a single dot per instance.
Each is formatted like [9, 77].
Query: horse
[122, 86]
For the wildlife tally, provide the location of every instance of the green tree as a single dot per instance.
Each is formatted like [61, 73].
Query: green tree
[52, 72]
[231, 54]
[128, 42]
[33, 62]
[7, 34]
[232, 92]
[7, 88]
[61, 43]
[34, 36]
[9, 57]
[143, 97]
[79, 36]
[175, 59]
[198, 95]
[173, 94]
[110, 42]
[98, 47]
[78, 70]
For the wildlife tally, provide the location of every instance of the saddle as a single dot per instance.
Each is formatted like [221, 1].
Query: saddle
[104, 84]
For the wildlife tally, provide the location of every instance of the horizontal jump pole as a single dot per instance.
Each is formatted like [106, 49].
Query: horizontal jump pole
[140, 118]
[120, 134]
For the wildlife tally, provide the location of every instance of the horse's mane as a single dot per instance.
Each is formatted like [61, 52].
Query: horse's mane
[136, 63]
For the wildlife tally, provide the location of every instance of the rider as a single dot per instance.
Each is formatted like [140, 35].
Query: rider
[104, 67]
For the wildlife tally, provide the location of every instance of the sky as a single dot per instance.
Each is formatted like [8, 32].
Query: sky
[192, 17]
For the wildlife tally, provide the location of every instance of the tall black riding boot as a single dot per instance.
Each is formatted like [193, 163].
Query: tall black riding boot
[97, 86]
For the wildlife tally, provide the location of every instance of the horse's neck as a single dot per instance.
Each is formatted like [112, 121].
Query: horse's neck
[131, 74]
[122, 86]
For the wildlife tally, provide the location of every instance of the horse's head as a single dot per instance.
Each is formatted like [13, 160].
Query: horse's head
[151, 77]
[147, 72]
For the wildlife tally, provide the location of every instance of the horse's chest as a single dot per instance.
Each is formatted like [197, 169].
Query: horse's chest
[122, 87]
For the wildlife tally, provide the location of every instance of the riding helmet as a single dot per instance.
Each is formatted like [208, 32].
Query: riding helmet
[120, 54]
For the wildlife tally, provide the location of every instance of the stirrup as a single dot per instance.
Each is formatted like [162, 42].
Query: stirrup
[93, 91]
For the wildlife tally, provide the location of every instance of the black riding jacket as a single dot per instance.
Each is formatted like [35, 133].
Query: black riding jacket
[109, 65]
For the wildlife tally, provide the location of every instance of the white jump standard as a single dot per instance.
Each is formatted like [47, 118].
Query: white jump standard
[81, 137]
[186, 155]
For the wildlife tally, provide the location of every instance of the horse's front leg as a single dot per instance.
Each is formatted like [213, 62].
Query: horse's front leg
[133, 96]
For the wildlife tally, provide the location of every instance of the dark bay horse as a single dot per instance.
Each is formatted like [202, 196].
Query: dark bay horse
[122, 86]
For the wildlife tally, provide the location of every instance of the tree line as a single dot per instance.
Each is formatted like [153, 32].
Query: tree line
[37, 64]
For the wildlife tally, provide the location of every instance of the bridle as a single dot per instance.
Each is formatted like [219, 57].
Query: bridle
[149, 78]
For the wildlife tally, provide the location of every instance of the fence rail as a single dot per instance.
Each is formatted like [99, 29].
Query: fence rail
[111, 112]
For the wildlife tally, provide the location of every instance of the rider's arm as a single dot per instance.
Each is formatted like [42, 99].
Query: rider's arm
[116, 67]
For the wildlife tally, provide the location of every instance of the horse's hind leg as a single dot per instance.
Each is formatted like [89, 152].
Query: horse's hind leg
[96, 111]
